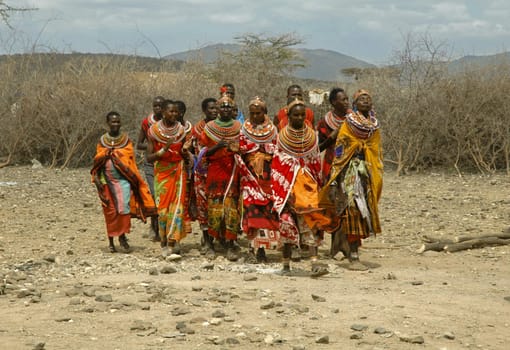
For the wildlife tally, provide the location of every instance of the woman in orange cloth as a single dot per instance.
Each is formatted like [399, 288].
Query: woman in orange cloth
[122, 191]
[295, 182]
[355, 183]
[257, 144]
[168, 149]
[221, 138]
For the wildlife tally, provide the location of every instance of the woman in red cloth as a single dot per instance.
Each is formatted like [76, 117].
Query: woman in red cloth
[221, 138]
[122, 191]
[257, 144]
[295, 181]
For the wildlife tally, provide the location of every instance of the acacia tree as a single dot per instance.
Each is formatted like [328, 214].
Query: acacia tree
[262, 66]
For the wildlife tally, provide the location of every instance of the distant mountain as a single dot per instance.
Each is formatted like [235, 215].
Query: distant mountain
[321, 64]
[473, 62]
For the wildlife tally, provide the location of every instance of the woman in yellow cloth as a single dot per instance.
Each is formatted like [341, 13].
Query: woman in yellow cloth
[354, 188]
[121, 189]
[169, 150]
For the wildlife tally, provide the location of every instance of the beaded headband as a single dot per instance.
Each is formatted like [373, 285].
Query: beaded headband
[294, 103]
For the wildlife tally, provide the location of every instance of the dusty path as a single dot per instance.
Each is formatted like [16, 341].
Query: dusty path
[61, 289]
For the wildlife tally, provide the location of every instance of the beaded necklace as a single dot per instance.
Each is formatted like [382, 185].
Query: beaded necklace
[361, 126]
[109, 141]
[162, 133]
[297, 142]
[187, 127]
[333, 121]
[218, 130]
[152, 119]
[261, 133]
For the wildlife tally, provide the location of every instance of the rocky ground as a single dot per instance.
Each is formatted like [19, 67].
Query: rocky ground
[60, 288]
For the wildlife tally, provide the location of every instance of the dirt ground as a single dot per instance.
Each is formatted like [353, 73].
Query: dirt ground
[60, 288]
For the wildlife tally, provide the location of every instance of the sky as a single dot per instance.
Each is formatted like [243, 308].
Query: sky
[371, 30]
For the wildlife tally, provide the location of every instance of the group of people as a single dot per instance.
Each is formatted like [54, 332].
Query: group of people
[264, 178]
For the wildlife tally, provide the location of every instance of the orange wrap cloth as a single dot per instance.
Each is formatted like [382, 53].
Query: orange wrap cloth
[116, 177]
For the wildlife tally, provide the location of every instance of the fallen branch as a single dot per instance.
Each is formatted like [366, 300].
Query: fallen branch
[464, 243]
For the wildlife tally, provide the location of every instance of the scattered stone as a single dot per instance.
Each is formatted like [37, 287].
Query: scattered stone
[215, 321]
[218, 314]
[174, 257]
[359, 327]
[224, 299]
[418, 339]
[172, 335]
[381, 330]
[268, 305]
[322, 340]
[356, 336]
[207, 266]
[318, 298]
[39, 346]
[417, 283]
[449, 335]
[232, 341]
[88, 310]
[75, 301]
[50, 258]
[228, 319]
[249, 278]
[23, 293]
[180, 325]
[197, 320]
[196, 289]
[167, 269]
[89, 292]
[196, 277]
[391, 276]
[298, 347]
[153, 271]
[187, 330]
[507, 298]
[105, 298]
[139, 325]
[179, 311]
[64, 319]
[300, 308]
[335, 311]
[73, 292]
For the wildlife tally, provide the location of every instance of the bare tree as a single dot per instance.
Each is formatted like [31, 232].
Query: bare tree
[6, 10]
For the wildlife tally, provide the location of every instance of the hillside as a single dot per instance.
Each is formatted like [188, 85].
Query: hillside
[322, 64]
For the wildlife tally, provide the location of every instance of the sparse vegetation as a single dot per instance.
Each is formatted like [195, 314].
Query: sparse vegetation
[53, 105]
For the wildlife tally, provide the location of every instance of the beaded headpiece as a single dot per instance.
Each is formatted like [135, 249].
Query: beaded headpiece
[359, 93]
[294, 103]
[257, 101]
[225, 100]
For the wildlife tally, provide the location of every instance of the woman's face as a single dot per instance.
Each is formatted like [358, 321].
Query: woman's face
[257, 114]
[226, 111]
[171, 114]
[364, 103]
[211, 111]
[114, 124]
[341, 102]
[297, 115]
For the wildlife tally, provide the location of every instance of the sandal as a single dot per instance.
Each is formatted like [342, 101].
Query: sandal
[318, 270]
[112, 248]
[124, 243]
